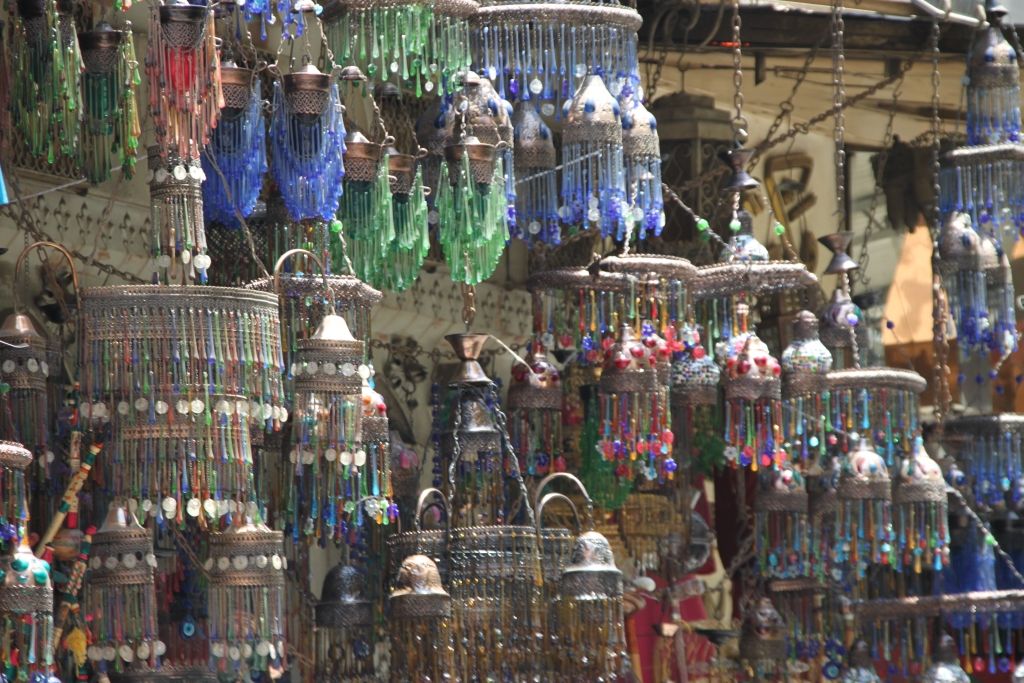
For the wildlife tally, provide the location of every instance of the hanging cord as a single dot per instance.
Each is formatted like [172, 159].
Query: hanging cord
[838, 98]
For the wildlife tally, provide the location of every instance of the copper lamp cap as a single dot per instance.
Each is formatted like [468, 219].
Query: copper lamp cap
[467, 349]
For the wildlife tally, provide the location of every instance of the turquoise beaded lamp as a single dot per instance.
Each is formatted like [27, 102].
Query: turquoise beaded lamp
[781, 524]
[864, 532]
[26, 614]
[920, 512]
[805, 367]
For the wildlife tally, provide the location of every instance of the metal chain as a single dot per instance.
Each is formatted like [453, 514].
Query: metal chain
[940, 304]
[987, 535]
[838, 97]
[881, 160]
[739, 123]
[786, 106]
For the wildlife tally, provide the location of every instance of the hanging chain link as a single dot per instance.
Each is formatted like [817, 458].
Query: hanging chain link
[940, 303]
[786, 106]
[838, 98]
[881, 161]
[739, 123]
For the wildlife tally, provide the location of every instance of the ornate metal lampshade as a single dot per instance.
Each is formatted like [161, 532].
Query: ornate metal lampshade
[805, 367]
[781, 524]
[344, 620]
[120, 597]
[246, 599]
[535, 414]
[864, 534]
[535, 161]
[421, 623]
[26, 612]
[920, 512]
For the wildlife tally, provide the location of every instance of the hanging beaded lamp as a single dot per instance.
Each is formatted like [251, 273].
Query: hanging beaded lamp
[594, 177]
[344, 627]
[946, 668]
[110, 128]
[535, 414]
[365, 212]
[246, 600]
[203, 371]
[590, 617]
[861, 668]
[375, 486]
[184, 80]
[120, 603]
[763, 639]
[420, 623]
[235, 161]
[805, 399]
[14, 461]
[46, 99]
[753, 407]
[694, 394]
[471, 209]
[920, 512]
[642, 157]
[535, 162]
[178, 229]
[539, 52]
[493, 549]
[328, 461]
[409, 213]
[781, 524]
[988, 452]
[26, 615]
[984, 178]
[307, 139]
[420, 46]
[864, 532]
[636, 429]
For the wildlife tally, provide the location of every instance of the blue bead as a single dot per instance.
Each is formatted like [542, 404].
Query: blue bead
[589, 107]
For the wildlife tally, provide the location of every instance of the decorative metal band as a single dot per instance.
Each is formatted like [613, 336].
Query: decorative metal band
[640, 265]
[800, 585]
[180, 429]
[353, 614]
[102, 299]
[16, 599]
[753, 388]
[984, 425]
[640, 146]
[166, 674]
[920, 491]
[974, 602]
[754, 648]
[14, 456]
[415, 606]
[804, 383]
[591, 583]
[694, 395]
[522, 396]
[264, 577]
[983, 154]
[580, 278]
[262, 542]
[346, 288]
[758, 277]
[628, 381]
[993, 76]
[121, 542]
[578, 14]
[877, 378]
[852, 488]
[328, 349]
[375, 430]
[119, 576]
[772, 500]
[824, 503]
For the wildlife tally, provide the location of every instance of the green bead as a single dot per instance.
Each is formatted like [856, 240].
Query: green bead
[735, 225]
[19, 564]
[336, 226]
[705, 236]
[779, 228]
[40, 576]
[990, 540]
[3, 575]
[702, 224]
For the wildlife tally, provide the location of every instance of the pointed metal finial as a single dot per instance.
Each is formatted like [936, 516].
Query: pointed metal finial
[838, 243]
[741, 181]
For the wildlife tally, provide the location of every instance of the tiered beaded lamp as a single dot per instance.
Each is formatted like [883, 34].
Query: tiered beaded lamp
[538, 52]
[26, 615]
[920, 512]
[417, 45]
[200, 369]
[695, 382]
[24, 368]
[14, 461]
[864, 530]
[375, 488]
[246, 600]
[120, 597]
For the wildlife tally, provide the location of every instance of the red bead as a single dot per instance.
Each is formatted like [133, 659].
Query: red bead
[668, 437]
[606, 343]
[636, 350]
[698, 352]
[761, 361]
[591, 356]
[776, 370]
[622, 362]
[650, 342]
[566, 340]
[744, 367]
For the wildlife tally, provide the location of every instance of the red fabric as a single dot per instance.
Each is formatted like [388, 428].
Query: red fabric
[643, 624]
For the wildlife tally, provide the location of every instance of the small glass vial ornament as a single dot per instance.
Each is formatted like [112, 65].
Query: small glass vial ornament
[328, 461]
[635, 422]
[120, 604]
[246, 600]
[864, 532]
[535, 414]
[920, 512]
[420, 625]
[344, 627]
[26, 615]
[590, 617]
[753, 389]
[781, 524]
[805, 398]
